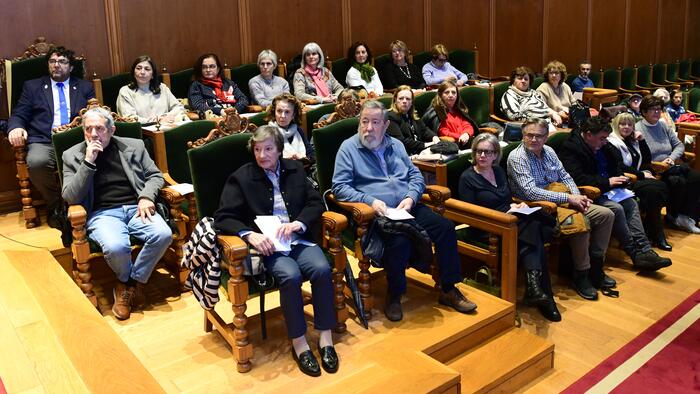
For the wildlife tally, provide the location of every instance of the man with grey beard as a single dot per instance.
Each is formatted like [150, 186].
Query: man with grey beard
[374, 168]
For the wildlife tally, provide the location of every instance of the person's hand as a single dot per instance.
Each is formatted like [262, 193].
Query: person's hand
[94, 147]
[515, 205]
[556, 119]
[452, 78]
[436, 139]
[669, 161]
[329, 99]
[146, 208]
[260, 243]
[406, 203]
[638, 135]
[618, 181]
[460, 83]
[167, 118]
[17, 136]
[648, 174]
[463, 139]
[379, 207]
[579, 202]
[286, 230]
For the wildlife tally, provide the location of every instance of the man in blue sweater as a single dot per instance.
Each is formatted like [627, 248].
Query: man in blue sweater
[582, 81]
[374, 168]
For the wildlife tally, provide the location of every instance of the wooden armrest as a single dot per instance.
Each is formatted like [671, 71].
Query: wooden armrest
[311, 101]
[547, 206]
[486, 213]
[659, 167]
[489, 130]
[361, 212]
[192, 115]
[234, 247]
[77, 215]
[498, 120]
[334, 222]
[591, 192]
[642, 91]
[438, 193]
[448, 139]
[171, 196]
[254, 108]
[632, 177]
[689, 156]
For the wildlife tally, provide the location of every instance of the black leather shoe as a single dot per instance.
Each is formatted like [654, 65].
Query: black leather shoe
[583, 286]
[392, 308]
[603, 281]
[660, 242]
[534, 294]
[307, 363]
[329, 359]
[650, 261]
[549, 310]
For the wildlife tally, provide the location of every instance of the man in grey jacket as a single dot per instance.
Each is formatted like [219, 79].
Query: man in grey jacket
[117, 183]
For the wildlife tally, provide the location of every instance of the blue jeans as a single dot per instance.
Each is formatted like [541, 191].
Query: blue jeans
[303, 262]
[111, 229]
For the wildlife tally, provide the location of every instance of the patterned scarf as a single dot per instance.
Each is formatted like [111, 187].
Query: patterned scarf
[226, 97]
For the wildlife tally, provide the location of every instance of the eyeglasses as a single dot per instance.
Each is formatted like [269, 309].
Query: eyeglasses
[654, 109]
[62, 62]
[484, 152]
[533, 137]
[441, 59]
[209, 66]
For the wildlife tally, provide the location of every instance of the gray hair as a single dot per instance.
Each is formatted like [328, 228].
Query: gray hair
[491, 139]
[101, 112]
[536, 122]
[265, 132]
[312, 47]
[663, 94]
[267, 54]
[375, 104]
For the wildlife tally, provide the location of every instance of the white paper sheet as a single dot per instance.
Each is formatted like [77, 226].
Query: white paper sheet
[268, 225]
[183, 188]
[398, 214]
[524, 211]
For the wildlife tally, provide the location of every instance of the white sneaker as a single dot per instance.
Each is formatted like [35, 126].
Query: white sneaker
[687, 224]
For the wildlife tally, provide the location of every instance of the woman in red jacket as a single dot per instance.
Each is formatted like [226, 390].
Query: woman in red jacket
[449, 117]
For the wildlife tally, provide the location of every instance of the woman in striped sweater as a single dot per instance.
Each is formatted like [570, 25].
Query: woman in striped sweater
[520, 102]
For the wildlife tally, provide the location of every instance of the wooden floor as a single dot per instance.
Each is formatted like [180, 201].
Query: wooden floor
[168, 337]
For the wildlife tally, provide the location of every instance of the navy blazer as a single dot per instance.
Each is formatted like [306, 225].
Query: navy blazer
[34, 110]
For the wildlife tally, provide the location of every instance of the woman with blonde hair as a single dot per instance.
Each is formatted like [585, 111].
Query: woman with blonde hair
[405, 125]
[399, 71]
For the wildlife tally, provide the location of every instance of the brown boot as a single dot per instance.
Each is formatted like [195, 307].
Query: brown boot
[139, 299]
[122, 301]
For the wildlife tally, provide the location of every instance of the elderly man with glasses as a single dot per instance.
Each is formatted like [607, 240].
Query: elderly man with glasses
[532, 167]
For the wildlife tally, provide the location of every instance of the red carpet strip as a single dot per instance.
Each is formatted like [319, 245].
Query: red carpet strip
[664, 358]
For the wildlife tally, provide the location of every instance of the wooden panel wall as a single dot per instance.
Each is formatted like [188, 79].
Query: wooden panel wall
[111, 33]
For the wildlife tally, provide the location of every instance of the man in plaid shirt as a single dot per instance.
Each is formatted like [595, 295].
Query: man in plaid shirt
[531, 167]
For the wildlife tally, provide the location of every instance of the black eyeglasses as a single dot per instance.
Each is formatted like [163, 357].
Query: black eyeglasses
[484, 152]
[62, 62]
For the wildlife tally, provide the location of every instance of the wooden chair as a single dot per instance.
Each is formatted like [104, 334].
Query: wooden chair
[421, 58]
[180, 82]
[467, 61]
[15, 72]
[645, 78]
[210, 166]
[310, 117]
[85, 251]
[598, 97]
[497, 114]
[107, 89]
[684, 74]
[673, 78]
[327, 141]
[422, 101]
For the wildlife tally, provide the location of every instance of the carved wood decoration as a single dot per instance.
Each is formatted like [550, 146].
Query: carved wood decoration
[230, 123]
[348, 107]
[92, 103]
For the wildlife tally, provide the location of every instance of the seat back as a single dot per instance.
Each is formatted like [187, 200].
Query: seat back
[628, 78]
[386, 101]
[499, 89]
[684, 69]
[556, 139]
[110, 88]
[20, 71]
[455, 168]
[379, 63]
[66, 139]
[611, 78]
[464, 60]
[478, 101]
[340, 69]
[505, 152]
[421, 58]
[658, 73]
[259, 119]
[537, 82]
[570, 80]
[597, 78]
[210, 167]
[312, 116]
[176, 149]
[694, 100]
[240, 75]
[644, 76]
[180, 82]
[327, 141]
[423, 100]
[672, 71]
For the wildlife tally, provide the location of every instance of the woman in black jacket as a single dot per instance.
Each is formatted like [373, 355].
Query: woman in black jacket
[273, 186]
[211, 91]
[635, 157]
[405, 125]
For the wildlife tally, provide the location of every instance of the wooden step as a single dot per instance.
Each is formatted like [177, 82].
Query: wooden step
[505, 363]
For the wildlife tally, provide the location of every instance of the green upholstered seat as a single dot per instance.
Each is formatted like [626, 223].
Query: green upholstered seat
[477, 100]
[644, 75]
[611, 78]
[556, 140]
[110, 88]
[570, 80]
[672, 71]
[597, 78]
[327, 141]
[684, 67]
[537, 82]
[694, 100]
[423, 100]
[455, 168]
[505, 151]
[421, 58]
[464, 60]
[628, 78]
[499, 89]
[19, 72]
[180, 82]
[313, 115]
[258, 119]
[210, 167]
[379, 63]
[176, 147]
[340, 69]
[386, 101]
[240, 75]
[658, 73]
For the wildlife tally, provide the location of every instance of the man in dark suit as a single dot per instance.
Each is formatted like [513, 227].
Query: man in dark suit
[47, 102]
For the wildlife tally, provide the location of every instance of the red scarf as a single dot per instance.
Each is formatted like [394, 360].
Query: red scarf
[226, 97]
[317, 76]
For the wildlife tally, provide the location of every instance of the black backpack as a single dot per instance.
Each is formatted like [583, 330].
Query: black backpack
[579, 112]
[292, 67]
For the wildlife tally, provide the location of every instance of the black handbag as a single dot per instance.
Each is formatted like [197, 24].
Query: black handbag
[579, 112]
[445, 148]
